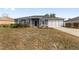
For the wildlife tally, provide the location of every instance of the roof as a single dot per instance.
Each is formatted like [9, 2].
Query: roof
[25, 17]
[40, 16]
[75, 19]
[6, 19]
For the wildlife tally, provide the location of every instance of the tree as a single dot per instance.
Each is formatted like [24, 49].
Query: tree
[47, 15]
[52, 15]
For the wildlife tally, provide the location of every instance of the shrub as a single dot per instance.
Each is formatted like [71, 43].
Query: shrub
[19, 25]
[15, 25]
[4, 25]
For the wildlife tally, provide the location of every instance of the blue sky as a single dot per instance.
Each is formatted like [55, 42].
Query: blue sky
[21, 12]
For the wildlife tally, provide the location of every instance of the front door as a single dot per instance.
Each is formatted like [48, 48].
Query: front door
[35, 22]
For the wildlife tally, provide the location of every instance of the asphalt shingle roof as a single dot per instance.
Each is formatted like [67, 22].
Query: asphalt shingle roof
[75, 19]
[39, 16]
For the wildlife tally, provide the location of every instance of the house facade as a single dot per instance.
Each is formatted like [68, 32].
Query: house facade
[5, 20]
[41, 21]
[72, 23]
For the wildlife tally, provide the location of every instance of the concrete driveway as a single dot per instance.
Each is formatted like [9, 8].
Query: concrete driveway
[72, 31]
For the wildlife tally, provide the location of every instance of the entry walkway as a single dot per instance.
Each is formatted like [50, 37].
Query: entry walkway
[72, 31]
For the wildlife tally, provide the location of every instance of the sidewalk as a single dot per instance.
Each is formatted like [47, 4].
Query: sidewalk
[72, 31]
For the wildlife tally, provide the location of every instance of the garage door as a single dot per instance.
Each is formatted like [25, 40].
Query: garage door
[55, 23]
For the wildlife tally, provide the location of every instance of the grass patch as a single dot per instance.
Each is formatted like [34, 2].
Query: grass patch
[30, 38]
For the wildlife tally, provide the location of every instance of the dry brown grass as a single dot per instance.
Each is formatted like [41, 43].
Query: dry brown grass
[34, 39]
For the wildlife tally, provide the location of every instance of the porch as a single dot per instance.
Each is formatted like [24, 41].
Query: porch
[72, 25]
[34, 22]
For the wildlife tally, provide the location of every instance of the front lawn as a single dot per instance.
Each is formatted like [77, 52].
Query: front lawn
[34, 39]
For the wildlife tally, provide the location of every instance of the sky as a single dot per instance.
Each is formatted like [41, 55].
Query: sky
[22, 12]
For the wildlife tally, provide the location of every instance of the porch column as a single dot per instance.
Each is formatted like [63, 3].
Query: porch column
[72, 25]
[30, 22]
[40, 23]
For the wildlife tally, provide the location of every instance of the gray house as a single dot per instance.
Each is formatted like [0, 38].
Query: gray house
[42, 21]
[73, 22]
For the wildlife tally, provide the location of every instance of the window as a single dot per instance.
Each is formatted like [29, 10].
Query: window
[23, 21]
[27, 21]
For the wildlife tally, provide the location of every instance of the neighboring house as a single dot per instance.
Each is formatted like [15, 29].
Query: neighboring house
[6, 20]
[42, 21]
[73, 23]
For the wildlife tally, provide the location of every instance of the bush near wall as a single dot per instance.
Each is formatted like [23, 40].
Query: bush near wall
[19, 25]
[4, 25]
[15, 25]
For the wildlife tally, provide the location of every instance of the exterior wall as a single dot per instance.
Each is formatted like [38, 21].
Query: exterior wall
[6, 22]
[72, 25]
[43, 22]
[68, 24]
[55, 23]
[26, 21]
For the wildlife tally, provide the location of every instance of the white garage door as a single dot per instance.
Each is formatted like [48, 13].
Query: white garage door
[55, 23]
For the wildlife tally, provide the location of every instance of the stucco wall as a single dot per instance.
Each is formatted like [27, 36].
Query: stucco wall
[7, 22]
